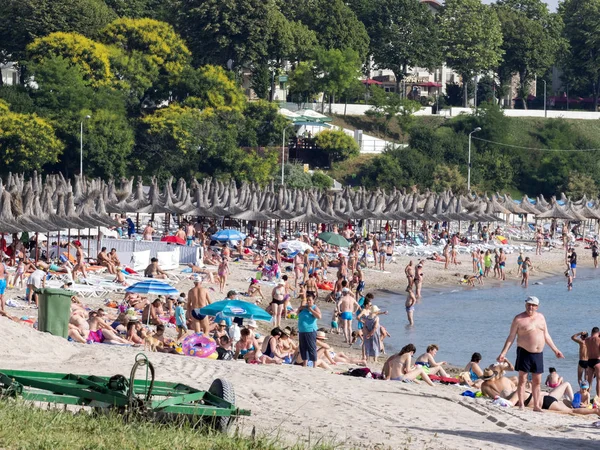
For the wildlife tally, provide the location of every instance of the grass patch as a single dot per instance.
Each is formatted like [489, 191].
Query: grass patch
[375, 127]
[345, 171]
[27, 427]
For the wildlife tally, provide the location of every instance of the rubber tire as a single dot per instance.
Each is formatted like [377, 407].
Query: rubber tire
[224, 390]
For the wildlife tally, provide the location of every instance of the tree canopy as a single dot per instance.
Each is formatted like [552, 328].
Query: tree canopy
[471, 38]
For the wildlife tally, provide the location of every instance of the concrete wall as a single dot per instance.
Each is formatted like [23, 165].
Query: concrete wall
[583, 115]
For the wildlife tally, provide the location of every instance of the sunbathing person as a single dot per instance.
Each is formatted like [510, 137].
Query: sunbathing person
[398, 367]
[473, 372]
[246, 347]
[152, 312]
[79, 328]
[254, 289]
[196, 269]
[135, 332]
[100, 332]
[154, 271]
[136, 301]
[104, 260]
[428, 362]
[326, 352]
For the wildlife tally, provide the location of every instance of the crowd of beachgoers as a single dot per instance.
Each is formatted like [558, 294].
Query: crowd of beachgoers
[320, 286]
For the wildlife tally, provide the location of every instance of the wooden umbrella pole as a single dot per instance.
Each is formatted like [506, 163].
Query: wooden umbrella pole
[89, 243]
[37, 238]
[57, 247]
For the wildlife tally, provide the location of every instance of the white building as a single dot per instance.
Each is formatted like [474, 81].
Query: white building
[10, 74]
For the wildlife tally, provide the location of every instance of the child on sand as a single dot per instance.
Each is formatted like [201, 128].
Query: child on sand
[554, 379]
[180, 318]
[334, 322]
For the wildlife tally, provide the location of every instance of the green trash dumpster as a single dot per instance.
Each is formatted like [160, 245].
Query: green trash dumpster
[54, 311]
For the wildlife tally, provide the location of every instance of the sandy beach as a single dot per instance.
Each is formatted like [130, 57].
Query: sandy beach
[312, 405]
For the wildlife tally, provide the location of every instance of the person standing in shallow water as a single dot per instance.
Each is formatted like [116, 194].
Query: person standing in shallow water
[532, 335]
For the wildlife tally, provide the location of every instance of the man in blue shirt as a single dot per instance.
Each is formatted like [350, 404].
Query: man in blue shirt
[308, 314]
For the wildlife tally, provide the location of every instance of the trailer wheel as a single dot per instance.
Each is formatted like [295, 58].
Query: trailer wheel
[224, 390]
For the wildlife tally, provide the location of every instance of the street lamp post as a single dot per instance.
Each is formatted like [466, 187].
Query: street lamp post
[81, 147]
[469, 168]
[545, 111]
[282, 155]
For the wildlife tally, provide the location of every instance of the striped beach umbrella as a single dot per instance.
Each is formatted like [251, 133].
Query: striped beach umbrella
[152, 287]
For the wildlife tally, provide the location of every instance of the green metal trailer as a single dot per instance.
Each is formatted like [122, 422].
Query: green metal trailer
[144, 397]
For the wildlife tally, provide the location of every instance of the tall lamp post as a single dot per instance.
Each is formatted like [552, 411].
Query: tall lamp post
[81, 147]
[282, 155]
[469, 168]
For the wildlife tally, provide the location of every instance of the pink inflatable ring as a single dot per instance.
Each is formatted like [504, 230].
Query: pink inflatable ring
[198, 345]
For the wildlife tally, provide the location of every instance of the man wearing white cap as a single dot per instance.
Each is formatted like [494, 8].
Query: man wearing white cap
[197, 299]
[532, 334]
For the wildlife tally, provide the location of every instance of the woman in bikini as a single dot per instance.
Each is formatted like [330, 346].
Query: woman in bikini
[298, 267]
[526, 267]
[247, 346]
[223, 271]
[80, 263]
[277, 302]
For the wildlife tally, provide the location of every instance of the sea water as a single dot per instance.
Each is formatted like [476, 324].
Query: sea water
[465, 320]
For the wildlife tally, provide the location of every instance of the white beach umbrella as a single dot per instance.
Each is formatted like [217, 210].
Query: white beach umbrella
[295, 246]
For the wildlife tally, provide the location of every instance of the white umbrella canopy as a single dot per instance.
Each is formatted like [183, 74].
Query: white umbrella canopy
[295, 246]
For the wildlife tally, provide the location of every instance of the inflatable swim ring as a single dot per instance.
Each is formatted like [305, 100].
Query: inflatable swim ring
[325, 286]
[198, 345]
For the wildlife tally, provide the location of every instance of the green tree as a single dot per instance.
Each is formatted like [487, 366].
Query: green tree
[296, 177]
[18, 98]
[448, 177]
[582, 60]
[209, 87]
[303, 83]
[321, 180]
[580, 184]
[337, 144]
[188, 142]
[336, 70]
[90, 56]
[137, 9]
[404, 35]
[151, 56]
[218, 31]
[26, 20]
[471, 38]
[108, 143]
[252, 166]
[263, 125]
[532, 37]
[27, 141]
[335, 24]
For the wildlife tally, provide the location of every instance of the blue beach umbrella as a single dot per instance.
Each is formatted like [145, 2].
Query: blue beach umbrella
[228, 235]
[236, 308]
[153, 287]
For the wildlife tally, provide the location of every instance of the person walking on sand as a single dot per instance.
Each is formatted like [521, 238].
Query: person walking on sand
[502, 265]
[197, 299]
[594, 248]
[573, 262]
[582, 366]
[532, 334]
[592, 344]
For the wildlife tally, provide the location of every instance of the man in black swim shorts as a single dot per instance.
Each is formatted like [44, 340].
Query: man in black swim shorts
[532, 335]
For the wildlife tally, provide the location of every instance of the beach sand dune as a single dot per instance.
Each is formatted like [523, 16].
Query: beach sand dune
[311, 405]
